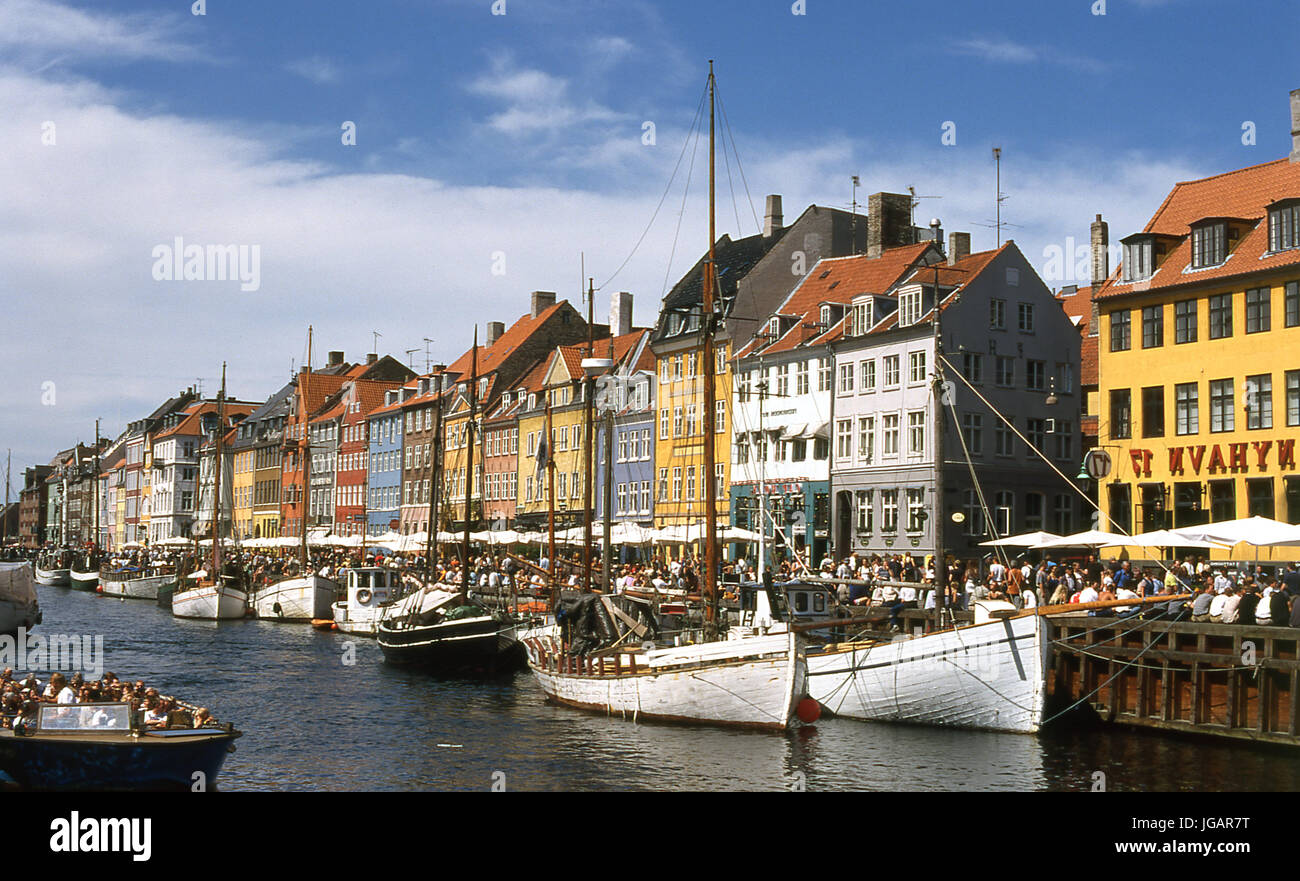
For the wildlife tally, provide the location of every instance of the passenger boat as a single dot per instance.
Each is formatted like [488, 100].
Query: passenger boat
[135, 583]
[368, 592]
[53, 569]
[18, 605]
[296, 599]
[84, 573]
[444, 630]
[102, 747]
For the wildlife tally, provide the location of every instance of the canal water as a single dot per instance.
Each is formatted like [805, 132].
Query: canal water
[313, 721]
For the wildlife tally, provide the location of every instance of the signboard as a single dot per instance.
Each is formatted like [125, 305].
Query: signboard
[1097, 463]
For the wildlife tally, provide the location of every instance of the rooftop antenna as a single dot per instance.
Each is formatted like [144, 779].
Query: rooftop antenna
[997, 159]
[915, 201]
[374, 340]
[410, 360]
[427, 360]
[853, 230]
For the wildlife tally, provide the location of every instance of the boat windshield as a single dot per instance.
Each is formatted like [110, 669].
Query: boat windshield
[85, 718]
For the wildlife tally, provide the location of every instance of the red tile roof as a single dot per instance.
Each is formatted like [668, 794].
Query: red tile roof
[624, 346]
[191, 424]
[1078, 306]
[961, 273]
[1244, 193]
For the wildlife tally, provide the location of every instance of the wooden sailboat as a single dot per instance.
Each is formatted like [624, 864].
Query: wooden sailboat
[18, 605]
[217, 595]
[85, 570]
[442, 627]
[608, 661]
[306, 596]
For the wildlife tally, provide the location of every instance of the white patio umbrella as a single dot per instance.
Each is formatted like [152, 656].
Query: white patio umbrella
[739, 533]
[1258, 531]
[1024, 540]
[1168, 538]
[1093, 538]
[631, 533]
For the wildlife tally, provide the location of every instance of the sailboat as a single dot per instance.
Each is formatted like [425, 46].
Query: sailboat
[306, 596]
[607, 659]
[215, 595]
[85, 568]
[53, 568]
[18, 606]
[441, 627]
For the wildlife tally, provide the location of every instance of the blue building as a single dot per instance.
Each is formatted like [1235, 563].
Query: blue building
[384, 502]
[634, 452]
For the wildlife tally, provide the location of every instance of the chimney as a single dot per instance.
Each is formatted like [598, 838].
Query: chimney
[335, 359]
[620, 307]
[542, 300]
[773, 220]
[495, 330]
[889, 222]
[1100, 252]
[372, 358]
[1295, 125]
[958, 246]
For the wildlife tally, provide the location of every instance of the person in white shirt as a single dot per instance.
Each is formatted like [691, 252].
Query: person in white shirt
[1125, 593]
[1231, 600]
[1221, 583]
[1216, 607]
[1088, 594]
[998, 572]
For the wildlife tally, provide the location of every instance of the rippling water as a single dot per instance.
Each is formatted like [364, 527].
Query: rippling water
[312, 722]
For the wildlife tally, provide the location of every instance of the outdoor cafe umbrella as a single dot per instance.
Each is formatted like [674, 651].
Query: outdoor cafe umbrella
[1025, 540]
[1093, 538]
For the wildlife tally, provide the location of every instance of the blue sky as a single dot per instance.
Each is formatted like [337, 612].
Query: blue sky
[480, 135]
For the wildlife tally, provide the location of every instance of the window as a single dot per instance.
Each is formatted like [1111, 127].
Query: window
[889, 428]
[1036, 433]
[915, 510]
[1063, 514]
[974, 524]
[1221, 413]
[1291, 299]
[1153, 411]
[1121, 326]
[1004, 509]
[916, 367]
[889, 510]
[823, 374]
[1259, 497]
[863, 499]
[916, 432]
[1209, 244]
[798, 450]
[909, 307]
[1293, 397]
[1138, 259]
[1187, 416]
[663, 428]
[1064, 440]
[1004, 440]
[677, 422]
[690, 420]
[1121, 401]
[891, 371]
[1223, 500]
[1284, 227]
[846, 378]
[1035, 503]
[677, 484]
[997, 314]
[690, 481]
[1259, 401]
[866, 439]
[1153, 327]
[868, 370]
[1005, 371]
[1035, 375]
[719, 417]
[1258, 314]
[801, 378]
[972, 367]
[1025, 313]
[1185, 321]
[844, 438]
[1220, 316]
[972, 428]
[783, 381]
[663, 484]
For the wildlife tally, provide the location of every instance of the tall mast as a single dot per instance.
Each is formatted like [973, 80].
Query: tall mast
[940, 516]
[710, 407]
[304, 380]
[433, 479]
[588, 386]
[550, 507]
[216, 480]
[4, 521]
[94, 492]
[469, 461]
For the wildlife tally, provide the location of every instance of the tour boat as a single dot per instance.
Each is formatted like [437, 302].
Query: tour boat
[18, 606]
[134, 583]
[296, 599]
[87, 581]
[210, 601]
[443, 630]
[53, 570]
[103, 747]
[369, 591]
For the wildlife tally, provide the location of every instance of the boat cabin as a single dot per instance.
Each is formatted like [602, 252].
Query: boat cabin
[372, 586]
[797, 602]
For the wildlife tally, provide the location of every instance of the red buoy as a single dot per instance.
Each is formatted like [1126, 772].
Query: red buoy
[808, 711]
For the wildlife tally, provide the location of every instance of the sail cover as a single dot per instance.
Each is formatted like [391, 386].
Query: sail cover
[16, 583]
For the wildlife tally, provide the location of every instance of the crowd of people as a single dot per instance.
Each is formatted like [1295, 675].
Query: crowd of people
[21, 698]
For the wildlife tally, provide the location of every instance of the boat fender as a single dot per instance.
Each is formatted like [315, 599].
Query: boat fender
[363, 596]
[279, 611]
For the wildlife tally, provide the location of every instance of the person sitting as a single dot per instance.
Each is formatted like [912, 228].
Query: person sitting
[1216, 605]
[1231, 606]
[1201, 606]
[1279, 610]
[154, 715]
[1246, 609]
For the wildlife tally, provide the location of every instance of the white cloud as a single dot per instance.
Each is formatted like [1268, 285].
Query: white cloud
[33, 27]
[316, 69]
[1003, 51]
[536, 101]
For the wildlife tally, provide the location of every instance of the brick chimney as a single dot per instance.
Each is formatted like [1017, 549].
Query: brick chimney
[495, 330]
[958, 246]
[889, 222]
[335, 359]
[1295, 125]
[372, 358]
[620, 311]
[1101, 265]
[542, 300]
[773, 220]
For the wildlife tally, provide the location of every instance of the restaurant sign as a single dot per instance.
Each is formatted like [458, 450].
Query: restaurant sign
[1235, 458]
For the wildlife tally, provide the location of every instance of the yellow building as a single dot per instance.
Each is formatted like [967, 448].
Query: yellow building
[241, 487]
[1200, 356]
[680, 468]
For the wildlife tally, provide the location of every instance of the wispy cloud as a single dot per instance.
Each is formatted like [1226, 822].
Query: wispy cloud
[1000, 50]
[535, 101]
[32, 27]
[318, 70]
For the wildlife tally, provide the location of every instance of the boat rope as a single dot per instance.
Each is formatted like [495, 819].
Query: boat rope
[698, 678]
[990, 527]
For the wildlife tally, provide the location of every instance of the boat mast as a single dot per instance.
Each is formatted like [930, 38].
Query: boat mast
[433, 479]
[710, 407]
[940, 517]
[94, 492]
[550, 507]
[469, 462]
[216, 481]
[4, 521]
[588, 388]
[304, 446]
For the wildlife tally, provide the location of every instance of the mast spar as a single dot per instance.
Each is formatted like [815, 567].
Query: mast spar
[710, 407]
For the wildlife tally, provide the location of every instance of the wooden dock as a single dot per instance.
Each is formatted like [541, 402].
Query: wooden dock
[1221, 680]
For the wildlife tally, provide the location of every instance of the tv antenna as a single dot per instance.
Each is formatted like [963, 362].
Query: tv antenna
[427, 360]
[916, 201]
[997, 223]
[409, 359]
[374, 340]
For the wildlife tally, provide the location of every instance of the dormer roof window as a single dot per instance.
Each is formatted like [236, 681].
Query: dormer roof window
[1284, 225]
[1209, 243]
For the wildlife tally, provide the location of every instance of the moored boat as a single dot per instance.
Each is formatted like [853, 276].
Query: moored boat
[211, 601]
[368, 593]
[443, 630]
[134, 583]
[53, 569]
[87, 581]
[296, 599]
[18, 605]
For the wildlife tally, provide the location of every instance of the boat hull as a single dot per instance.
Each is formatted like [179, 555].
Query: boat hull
[146, 588]
[86, 581]
[130, 763]
[296, 599]
[472, 643]
[18, 605]
[357, 621]
[988, 676]
[210, 603]
[53, 577]
[750, 683]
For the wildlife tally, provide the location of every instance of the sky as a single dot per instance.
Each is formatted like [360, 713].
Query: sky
[415, 168]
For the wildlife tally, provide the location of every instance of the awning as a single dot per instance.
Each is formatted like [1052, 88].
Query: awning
[794, 432]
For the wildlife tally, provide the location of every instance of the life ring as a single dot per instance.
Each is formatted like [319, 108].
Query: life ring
[363, 596]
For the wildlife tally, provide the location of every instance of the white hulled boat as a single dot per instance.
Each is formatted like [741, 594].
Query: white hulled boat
[369, 591]
[211, 601]
[18, 606]
[53, 569]
[138, 584]
[307, 598]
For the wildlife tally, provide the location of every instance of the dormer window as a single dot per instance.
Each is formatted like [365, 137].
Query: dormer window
[1139, 258]
[909, 306]
[1284, 225]
[505, 400]
[1209, 244]
[773, 328]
